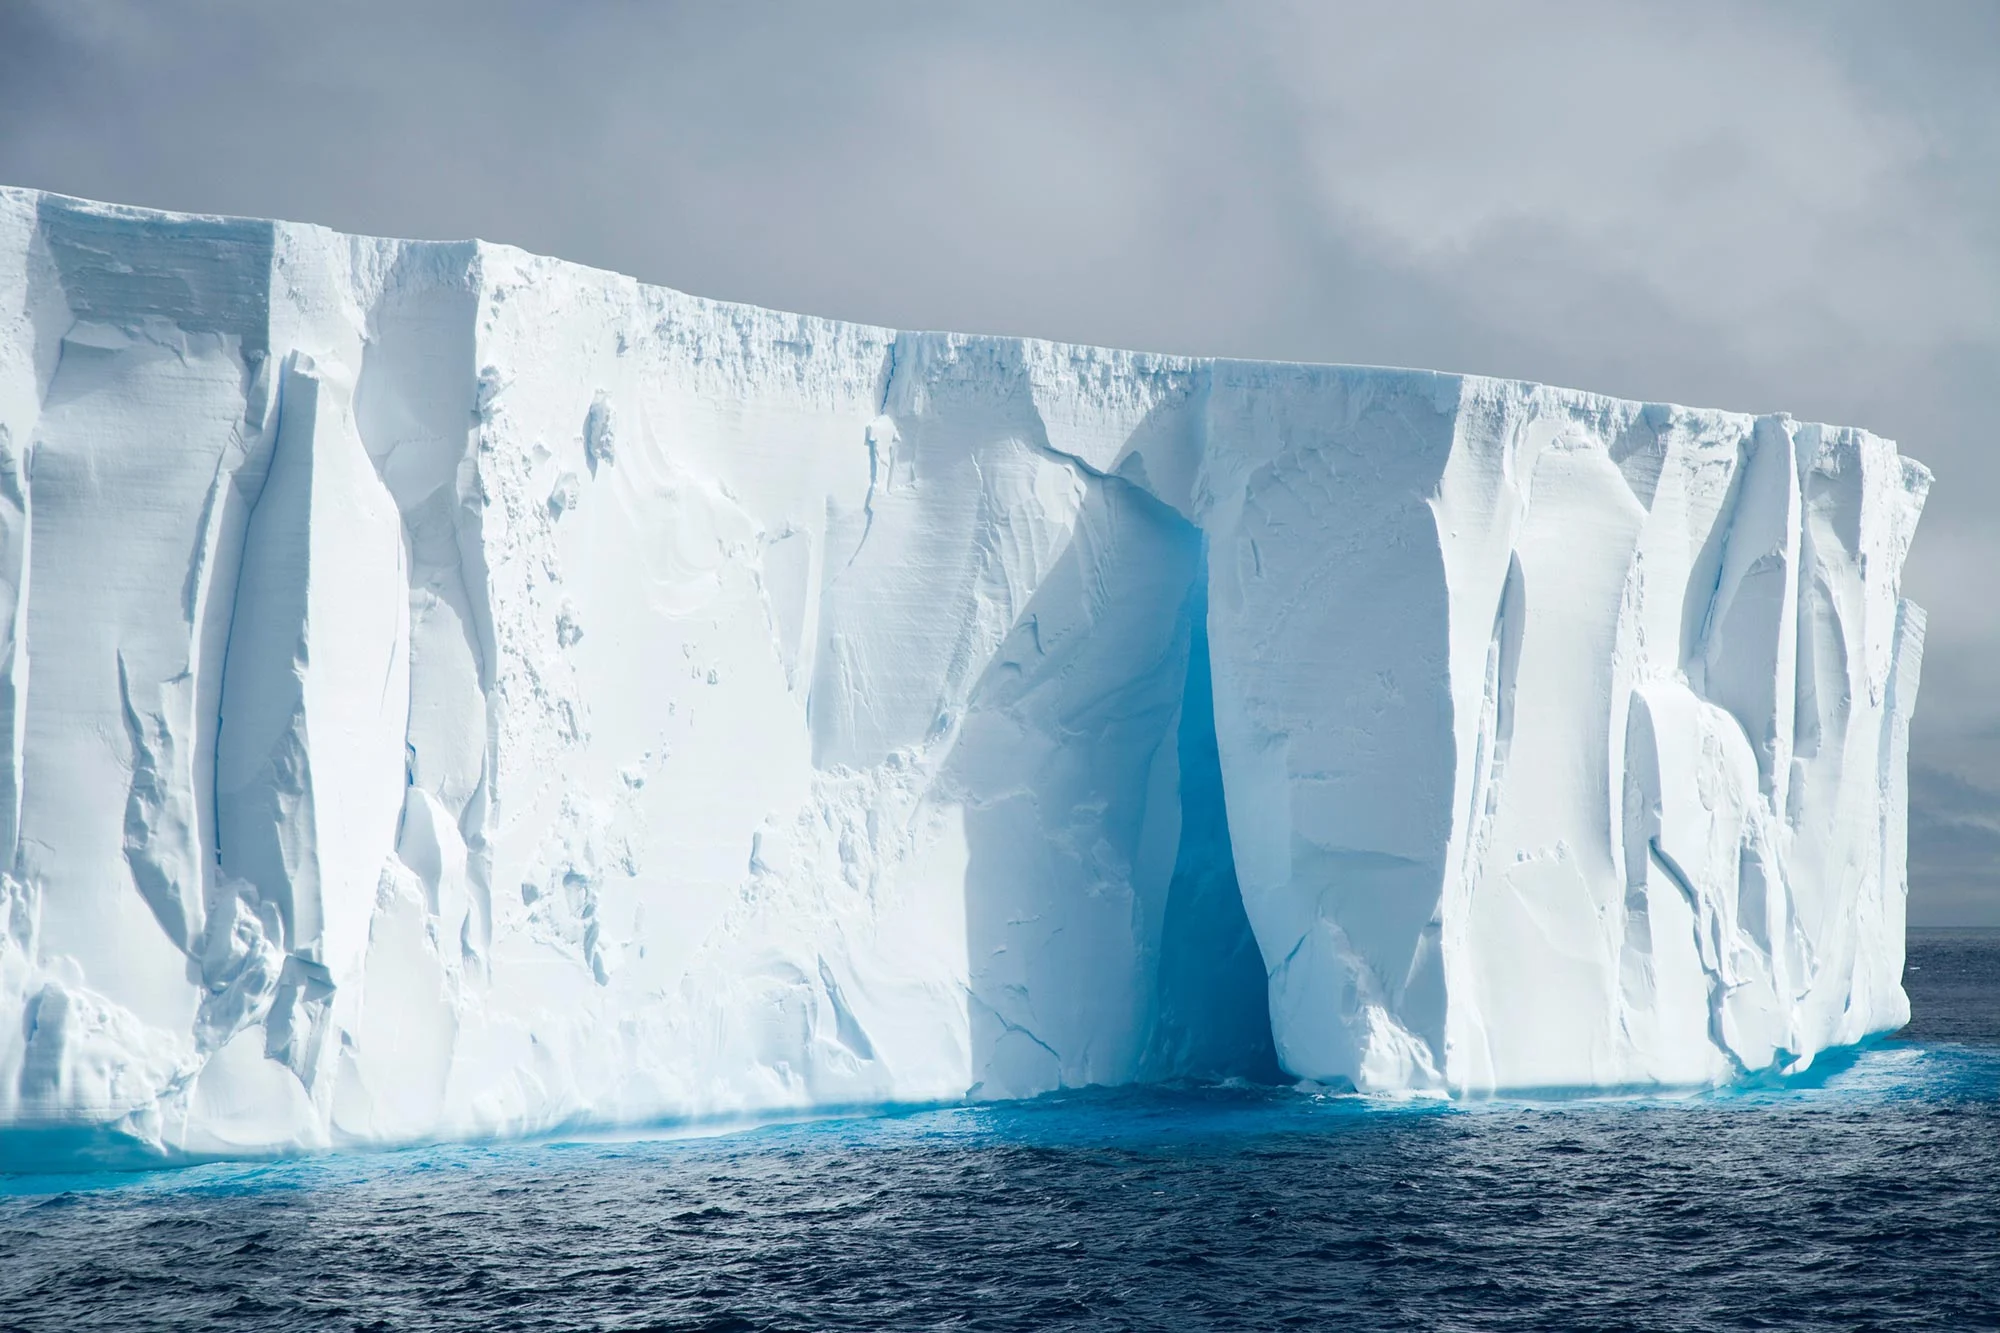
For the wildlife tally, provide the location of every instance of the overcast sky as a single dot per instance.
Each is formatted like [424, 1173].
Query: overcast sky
[1768, 207]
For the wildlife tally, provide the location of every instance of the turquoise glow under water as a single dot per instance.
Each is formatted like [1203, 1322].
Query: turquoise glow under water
[1867, 1194]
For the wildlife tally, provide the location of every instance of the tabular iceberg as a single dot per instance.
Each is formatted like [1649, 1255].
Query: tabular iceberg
[450, 692]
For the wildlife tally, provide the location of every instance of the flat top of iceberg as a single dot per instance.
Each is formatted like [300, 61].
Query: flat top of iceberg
[1085, 352]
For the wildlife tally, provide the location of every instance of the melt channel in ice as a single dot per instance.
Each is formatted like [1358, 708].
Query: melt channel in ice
[448, 692]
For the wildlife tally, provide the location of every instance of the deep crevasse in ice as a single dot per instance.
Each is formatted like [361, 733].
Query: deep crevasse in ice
[451, 692]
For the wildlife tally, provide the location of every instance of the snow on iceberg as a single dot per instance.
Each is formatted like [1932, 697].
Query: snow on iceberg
[450, 692]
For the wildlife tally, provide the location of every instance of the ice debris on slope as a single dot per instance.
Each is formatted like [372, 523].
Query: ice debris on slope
[450, 692]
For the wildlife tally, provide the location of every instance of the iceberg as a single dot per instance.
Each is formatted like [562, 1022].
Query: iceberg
[448, 692]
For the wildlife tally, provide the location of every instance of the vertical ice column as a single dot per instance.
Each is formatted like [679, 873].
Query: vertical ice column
[1882, 915]
[1333, 712]
[414, 407]
[27, 357]
[1859, 648]
[310, 765]
[147, 409]
[16, 521]
[1748, 660]
[1542, 588]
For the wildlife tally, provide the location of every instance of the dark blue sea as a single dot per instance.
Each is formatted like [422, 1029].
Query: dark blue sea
[1866, 1197]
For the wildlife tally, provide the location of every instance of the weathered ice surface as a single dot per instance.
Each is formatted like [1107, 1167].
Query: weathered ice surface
[449, 692]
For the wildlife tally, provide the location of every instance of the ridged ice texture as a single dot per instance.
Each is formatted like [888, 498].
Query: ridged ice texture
[449, 692]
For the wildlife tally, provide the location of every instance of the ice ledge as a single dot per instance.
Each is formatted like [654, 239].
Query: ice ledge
[454, 692]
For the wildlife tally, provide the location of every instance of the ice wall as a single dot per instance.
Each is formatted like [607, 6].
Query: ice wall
[450, 692]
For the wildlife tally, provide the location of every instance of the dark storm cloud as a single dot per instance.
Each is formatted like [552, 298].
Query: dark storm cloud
[1775, 206]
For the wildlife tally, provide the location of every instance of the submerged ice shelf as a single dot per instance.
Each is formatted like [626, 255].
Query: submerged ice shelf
[451, 692]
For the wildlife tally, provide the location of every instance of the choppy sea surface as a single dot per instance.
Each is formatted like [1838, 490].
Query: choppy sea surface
[1866, 1196]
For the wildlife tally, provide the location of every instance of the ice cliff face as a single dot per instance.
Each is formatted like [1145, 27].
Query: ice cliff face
[451, 692]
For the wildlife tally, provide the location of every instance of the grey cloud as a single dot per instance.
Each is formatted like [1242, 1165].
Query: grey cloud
[1954, 845]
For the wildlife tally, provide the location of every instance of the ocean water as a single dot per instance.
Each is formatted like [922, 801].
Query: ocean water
[1867, 1196]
